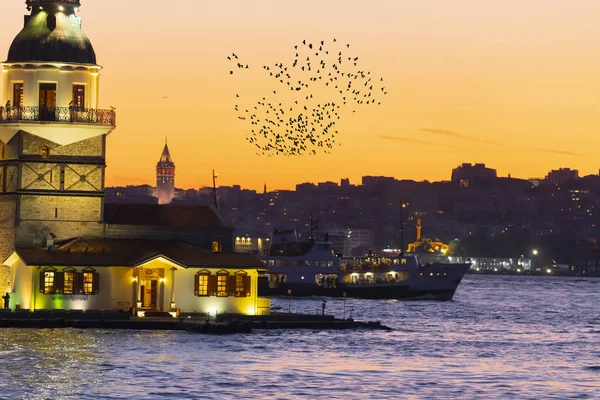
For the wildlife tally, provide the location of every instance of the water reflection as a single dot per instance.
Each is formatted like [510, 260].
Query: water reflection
[501, 337]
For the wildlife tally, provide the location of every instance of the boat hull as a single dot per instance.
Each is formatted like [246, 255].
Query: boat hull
[432, 282]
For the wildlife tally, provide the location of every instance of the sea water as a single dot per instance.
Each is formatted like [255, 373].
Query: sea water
[501, 337]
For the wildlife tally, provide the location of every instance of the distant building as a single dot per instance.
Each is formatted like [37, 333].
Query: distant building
[562, 175]
[253, 245]
[142, 194]
[328, 185]
[345, 182]
[305, 187]
[165, 178]
[371, 181]
[427, 245]
[467, 174]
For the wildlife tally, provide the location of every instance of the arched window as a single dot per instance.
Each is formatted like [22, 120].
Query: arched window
[45, 151]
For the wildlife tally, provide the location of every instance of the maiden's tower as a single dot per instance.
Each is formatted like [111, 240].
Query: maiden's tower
[52, 131]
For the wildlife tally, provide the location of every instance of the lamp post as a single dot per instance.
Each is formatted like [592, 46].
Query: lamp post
[535, 253]
[289, 301]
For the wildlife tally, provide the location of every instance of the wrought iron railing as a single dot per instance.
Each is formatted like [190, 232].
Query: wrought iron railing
[58, 114]
[33, 2]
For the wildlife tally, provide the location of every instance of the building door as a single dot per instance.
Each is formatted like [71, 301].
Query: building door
[149, 293]
[47, 101]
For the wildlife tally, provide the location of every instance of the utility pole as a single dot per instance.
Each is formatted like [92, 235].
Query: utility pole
[216, 203]
[401, 227]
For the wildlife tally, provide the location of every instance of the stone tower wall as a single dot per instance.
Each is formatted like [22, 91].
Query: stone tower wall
[8, 211]
[165, 189]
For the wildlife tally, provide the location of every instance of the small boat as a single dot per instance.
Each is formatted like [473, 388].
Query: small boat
[311, 268]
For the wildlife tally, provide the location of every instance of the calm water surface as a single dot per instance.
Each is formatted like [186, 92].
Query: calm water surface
[502, 337]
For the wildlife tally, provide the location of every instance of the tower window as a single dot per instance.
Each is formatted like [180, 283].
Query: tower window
[78, 96]
[18, 94]
[45, 151]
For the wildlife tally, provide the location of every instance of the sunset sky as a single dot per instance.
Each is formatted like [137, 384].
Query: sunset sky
[514, 84]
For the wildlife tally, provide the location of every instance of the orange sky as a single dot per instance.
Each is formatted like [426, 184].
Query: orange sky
[514, 84]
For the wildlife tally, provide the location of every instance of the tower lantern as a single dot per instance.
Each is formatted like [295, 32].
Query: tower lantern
[165, 177]
[52, 131]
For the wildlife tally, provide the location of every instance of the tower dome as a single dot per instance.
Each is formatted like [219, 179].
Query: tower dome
[52, 33]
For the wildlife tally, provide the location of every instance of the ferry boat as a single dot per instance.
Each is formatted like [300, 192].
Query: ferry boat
[311, 268]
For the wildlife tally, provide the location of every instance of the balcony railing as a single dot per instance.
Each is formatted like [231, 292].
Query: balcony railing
[58, 114]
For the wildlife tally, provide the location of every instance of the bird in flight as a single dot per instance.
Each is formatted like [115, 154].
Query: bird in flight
[304, 121]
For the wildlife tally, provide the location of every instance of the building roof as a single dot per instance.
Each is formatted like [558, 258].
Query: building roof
[51, 35]
[103, 252]
[165, 157]
[175, 216]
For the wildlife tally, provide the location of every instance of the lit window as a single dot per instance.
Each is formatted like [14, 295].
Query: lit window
[216, 247]
[88, 283]
[45, 151]
[203, 285]
[48, 287]
[69, 282]
[222, 285]
[242, 285]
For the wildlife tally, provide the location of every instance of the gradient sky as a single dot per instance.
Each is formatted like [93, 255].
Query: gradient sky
[514, 84]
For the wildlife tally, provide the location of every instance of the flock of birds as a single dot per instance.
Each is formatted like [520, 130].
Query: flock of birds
[309, 96]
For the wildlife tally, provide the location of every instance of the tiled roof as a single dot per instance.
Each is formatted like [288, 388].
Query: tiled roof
[133, 252]
[191, 217]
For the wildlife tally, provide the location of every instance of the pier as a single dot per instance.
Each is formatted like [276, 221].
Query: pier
[193, 323]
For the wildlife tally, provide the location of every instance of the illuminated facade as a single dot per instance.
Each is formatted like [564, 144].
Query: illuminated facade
[165, 177]
[136, 274]
[52, 132]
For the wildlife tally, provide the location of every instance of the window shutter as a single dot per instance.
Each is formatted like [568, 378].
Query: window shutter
[212, 285]
[42, 282]
[78, 283]
[231, 285]
[96, 283]
[248, 286]
[196, 285]
[59, 282]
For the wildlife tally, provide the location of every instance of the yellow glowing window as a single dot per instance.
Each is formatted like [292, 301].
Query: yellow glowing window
[48, 282]
[88, 283]
[216, 247]
[240, 285]
[203, 285]
[222, 285]
[69, 282]
[45, 151]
